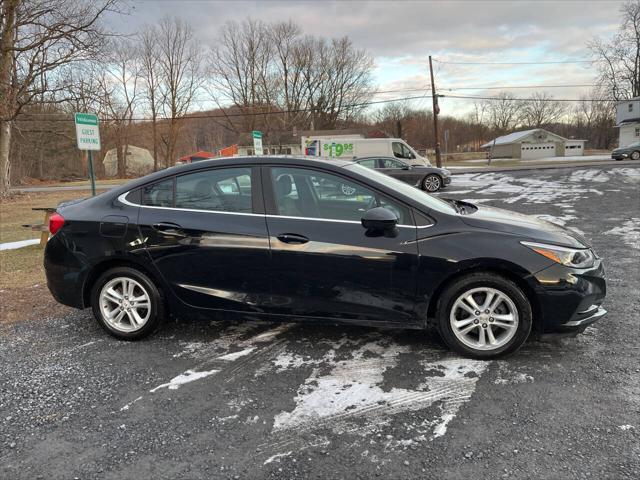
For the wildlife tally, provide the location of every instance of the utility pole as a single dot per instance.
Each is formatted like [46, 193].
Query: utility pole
[436, 111]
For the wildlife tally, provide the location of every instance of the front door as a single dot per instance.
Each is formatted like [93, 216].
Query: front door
[324, 264]
[206, 233]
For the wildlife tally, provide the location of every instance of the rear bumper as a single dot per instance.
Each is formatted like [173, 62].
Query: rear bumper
[65, 273]
[571, 299]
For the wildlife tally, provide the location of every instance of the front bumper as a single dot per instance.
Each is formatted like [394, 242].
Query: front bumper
[446, 181]
[570, 299]
[619, 156]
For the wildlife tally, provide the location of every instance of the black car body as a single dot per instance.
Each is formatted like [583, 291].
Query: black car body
[632, 151]
[429, 179]
[279, 239]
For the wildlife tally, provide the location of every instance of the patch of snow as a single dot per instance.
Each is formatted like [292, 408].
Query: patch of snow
[126, 407]
[235, 355]
[186, 377]
[352, 389]
[277, 457]
[19, 244]
[626, 427]
[629, 231]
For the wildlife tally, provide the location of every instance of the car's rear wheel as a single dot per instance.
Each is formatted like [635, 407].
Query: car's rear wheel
[126, 303]
[635, 155]
[432, 183]
[484, 315]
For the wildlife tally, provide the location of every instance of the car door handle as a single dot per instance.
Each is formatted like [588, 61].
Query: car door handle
[292, 238]
[170, 229]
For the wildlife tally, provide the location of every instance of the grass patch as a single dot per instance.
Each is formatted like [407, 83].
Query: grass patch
[21, 267]
[16, 210]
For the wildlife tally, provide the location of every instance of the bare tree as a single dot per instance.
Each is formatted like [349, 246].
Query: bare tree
[504, 112]
[541, 109]
[37, 37]
[240, 64]
[148, 39]
[618, 60]
[180, 67]
[120, 94]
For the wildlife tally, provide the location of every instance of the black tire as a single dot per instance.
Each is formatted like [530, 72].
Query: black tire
[432, 183]
[635, 155]
[156, 310]
[483, 280]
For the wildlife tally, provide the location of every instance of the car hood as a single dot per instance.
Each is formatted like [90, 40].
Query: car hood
[528, 226]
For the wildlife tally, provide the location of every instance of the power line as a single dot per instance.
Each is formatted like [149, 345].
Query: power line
[517, 99]
[515, 63]
[512, 87]
[225, 115]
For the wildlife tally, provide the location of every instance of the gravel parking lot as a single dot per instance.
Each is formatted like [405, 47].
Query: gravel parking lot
[257, 400]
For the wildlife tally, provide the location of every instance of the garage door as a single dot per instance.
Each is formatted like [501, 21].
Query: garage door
[530, 151]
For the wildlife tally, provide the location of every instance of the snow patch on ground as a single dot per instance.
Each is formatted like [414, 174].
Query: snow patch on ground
[276, 457]
[186, 377]
[509, 377]
[229, 357]
[351, 390]
[626, 427]
[629, 231]
[19, 244]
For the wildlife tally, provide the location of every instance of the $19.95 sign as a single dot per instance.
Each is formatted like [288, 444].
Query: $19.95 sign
[87, 133]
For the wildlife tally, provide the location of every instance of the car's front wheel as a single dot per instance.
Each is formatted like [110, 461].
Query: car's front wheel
[432, 183]
[126, 303]
[635, 155]
[484, 315]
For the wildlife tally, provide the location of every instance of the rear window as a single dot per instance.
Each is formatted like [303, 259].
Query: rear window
[220, 189]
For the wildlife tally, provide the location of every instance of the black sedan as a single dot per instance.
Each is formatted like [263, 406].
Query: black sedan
[429, 179]
[632, 152]
[282, 239]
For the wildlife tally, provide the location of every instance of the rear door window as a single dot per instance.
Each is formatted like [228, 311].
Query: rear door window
[219, 189]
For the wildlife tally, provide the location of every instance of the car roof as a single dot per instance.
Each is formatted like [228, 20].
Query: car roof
[297, 160]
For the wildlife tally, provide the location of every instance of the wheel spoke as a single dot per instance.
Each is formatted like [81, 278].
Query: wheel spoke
[492, 338]
[130, 287]
[138, 305]
[135, 315]
[481, 339]
[506, 326]
[118, 317]
[469, 299]
[467, 308]
[466, 330]
[113, 296]
[507, 317]
[464, 322]
[487, 300]
[496, 301]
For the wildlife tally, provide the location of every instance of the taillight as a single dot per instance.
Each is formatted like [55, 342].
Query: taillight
[56, 221]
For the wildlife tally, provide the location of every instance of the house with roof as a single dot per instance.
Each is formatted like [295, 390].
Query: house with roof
[628, 121]
[532, 144]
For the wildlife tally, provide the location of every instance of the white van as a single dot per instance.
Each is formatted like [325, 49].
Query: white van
[361, 147]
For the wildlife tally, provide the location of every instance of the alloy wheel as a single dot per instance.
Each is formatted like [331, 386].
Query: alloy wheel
[484, 318]
[431, 183]
[125, 304]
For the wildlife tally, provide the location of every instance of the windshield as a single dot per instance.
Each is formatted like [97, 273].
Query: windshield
[418, 195]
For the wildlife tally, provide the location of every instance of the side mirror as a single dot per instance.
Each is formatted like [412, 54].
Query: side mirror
[379, 219]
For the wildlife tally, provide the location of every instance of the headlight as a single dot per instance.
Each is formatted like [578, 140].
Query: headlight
[571, 257]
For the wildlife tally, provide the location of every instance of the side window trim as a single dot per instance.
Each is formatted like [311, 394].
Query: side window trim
[258, 206]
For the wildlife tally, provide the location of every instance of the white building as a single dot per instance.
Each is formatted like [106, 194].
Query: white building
[628, 121]
[532, 144]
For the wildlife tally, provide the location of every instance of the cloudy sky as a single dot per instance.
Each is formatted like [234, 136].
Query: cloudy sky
[400, 34]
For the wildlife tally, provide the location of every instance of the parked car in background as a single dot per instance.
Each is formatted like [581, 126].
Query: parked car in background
[281, 239]
[429, 179]
[632, 151]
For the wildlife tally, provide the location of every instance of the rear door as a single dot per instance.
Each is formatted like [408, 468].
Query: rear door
[206, 233]
[324, 263]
